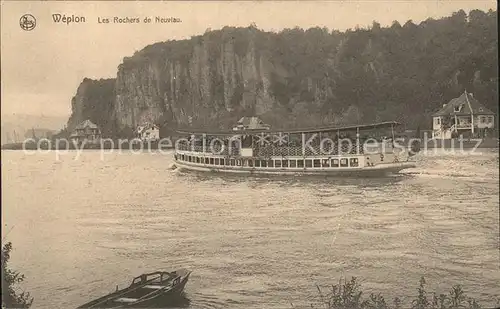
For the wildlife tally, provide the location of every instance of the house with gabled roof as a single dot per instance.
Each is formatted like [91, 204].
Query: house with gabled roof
[148, 132]
[87, 131]
[250, 123]
[462, 116]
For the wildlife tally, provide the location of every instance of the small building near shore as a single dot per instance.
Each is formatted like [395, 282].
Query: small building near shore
[250, 123]
[87, 132]
[463, 116]
[148, 132]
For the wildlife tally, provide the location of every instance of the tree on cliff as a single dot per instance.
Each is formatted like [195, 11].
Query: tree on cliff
[11, 298]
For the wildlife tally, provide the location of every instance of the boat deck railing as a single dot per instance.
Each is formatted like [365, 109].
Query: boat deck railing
[276, 150]
[215, 150]
[288, 151]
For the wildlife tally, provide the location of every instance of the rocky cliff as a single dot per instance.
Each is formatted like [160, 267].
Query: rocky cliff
[199, 82]
[94, 100]
[297, 77]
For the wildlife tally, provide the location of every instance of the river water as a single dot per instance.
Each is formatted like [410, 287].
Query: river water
[82, 224]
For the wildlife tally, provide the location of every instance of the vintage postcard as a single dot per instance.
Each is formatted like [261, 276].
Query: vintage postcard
[250, 154]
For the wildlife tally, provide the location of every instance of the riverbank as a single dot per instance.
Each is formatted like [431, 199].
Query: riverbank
[448, 144]
[63, 145]
[461, 143]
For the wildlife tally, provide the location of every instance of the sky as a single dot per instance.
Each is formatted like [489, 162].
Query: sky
[42, 68]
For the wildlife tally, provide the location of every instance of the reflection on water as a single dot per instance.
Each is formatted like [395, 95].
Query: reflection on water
[284, 180]
[81, 227]
[181, 301]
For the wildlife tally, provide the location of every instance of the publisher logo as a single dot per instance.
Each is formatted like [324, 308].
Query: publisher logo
[27, 22]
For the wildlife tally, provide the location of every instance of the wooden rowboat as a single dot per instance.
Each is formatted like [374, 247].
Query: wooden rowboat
[146, 290]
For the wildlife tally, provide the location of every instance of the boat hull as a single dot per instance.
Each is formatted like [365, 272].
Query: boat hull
[168, 298]
[378, 170]
[123, 298]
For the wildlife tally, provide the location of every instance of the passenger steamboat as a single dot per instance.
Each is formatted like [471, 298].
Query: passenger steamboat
[351, 150]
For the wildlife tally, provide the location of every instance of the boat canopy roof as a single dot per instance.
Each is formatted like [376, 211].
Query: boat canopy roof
[379, 125]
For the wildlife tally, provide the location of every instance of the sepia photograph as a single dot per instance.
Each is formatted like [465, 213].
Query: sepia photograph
[338, 154]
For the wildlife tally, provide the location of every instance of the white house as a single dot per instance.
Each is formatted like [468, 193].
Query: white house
[87, 132]
[148, 132]
[250, 123]
[462, 116]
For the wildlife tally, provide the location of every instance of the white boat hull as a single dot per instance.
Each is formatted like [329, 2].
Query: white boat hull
[379, 169]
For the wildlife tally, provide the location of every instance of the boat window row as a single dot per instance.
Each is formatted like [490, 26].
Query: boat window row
[274, 163]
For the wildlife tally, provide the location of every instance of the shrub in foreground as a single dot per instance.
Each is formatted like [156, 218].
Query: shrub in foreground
[11, 298]
[348, 295]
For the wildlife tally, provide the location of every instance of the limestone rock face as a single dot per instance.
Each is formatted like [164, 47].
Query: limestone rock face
[295, 78]
[199, 82]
